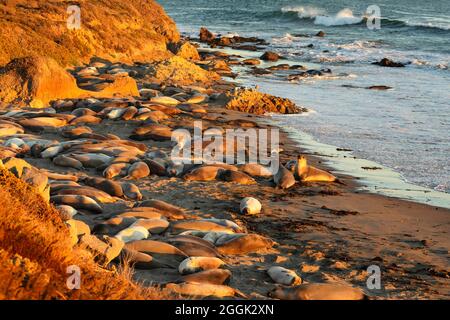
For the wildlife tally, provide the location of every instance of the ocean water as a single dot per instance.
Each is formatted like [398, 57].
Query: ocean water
[405, 131]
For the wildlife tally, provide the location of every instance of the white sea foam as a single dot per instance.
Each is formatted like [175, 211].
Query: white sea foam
[343, 17]
[304, 11]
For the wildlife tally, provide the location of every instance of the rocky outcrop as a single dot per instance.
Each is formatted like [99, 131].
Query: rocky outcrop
[115, 30]
[36, 81]
[253, 101]
[270, 56]
[179, 71]
[185, 50]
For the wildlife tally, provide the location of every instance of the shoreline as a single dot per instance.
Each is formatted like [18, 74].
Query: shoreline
[391, 183]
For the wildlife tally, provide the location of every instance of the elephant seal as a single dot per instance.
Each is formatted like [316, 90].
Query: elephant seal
[318, 291]
[59, 177]
[132, 233]
[195, 249]
[197, 264]
[169, 210]
[75, 132]
[236, 177]
[199, 225]
[86, 119]
[256, 170]
[140, 260]
[165, 100]
[51, 152]
[307, 173]
[191, 289]
[129, 113]
[250, 206]
[163, 252]
[156, 167]
[78, 202]
[111, 187]
[284, 276]
[92, 160]
[284, 179]
[96, 194]
[154, 226]
[138, 170]
[143, 213]
[204, 173]
[190, 239]
[79, 112]
[131, 191]
[224, 222]
[115, 169]
[245, 244]
[113, 226]
[213, 276]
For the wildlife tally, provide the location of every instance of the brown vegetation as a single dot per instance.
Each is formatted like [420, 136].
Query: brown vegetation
[35, 251]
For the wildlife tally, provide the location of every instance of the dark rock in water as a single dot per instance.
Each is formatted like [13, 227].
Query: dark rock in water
[379, 88]
[270, 56]
[320, 34]
[279, 67]
[252, 62]
[385, 62]
[297, 67]
[246, 47]
[225, 42]
[310, 45]
[206, 35]
[259, 71]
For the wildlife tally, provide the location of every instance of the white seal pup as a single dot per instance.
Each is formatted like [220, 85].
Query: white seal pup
[132, 233]
[250, 206]
[284, 276]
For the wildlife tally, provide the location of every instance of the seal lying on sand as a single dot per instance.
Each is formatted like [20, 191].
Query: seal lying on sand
[245, 243]
[78, 202]
[213, 276]
[197, 264]
[204, 290]
[318, 291]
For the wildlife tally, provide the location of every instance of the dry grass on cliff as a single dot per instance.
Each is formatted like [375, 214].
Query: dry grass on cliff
[112, 29]
[35, 251]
